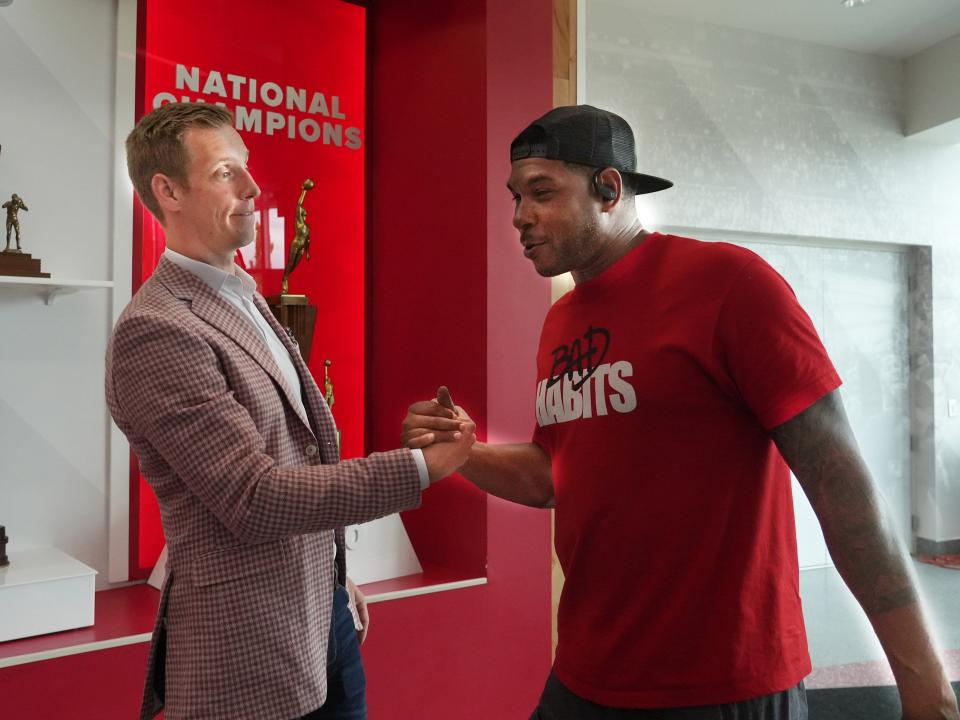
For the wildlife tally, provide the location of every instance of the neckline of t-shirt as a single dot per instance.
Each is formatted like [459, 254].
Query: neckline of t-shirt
[621, 267]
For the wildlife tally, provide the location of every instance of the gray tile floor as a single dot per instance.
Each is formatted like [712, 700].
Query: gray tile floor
[838, 631]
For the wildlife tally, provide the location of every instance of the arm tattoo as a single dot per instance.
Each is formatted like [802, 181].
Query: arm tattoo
[819, 446]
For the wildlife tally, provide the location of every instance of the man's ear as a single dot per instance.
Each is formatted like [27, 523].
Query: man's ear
[608, 183]
[167, 192]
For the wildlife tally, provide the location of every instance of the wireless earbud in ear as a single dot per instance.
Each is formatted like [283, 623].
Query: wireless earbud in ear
[602, 189]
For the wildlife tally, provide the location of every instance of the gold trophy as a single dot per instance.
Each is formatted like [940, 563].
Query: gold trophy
[328, 390]
[292, 311]
[328, 383]
[301, 238]
[14, 261]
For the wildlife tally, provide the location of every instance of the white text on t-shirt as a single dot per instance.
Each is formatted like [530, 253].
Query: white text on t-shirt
[601, 391]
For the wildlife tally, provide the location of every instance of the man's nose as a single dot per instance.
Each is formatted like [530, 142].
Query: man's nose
[251, 190]
[521, 215]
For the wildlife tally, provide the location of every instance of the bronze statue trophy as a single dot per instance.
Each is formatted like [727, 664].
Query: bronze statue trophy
[328, 390]
[293, 311]
[13, 206]
[328, 383]
[15, 261]
[301, 237]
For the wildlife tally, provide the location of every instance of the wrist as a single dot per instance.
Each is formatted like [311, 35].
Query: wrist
[473, 458]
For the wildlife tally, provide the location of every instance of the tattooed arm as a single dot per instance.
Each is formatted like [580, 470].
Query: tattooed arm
[819, 446]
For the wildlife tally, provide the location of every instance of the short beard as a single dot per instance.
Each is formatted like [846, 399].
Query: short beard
[577, 251]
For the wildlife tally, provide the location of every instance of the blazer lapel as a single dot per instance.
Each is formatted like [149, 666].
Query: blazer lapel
[216, 311]
[313, 400]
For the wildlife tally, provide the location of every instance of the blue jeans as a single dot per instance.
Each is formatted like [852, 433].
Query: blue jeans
[346, 681]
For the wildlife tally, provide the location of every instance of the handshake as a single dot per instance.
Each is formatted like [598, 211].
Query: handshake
[442, 430]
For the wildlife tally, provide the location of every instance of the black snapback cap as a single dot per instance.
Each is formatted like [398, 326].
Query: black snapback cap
[589, 136]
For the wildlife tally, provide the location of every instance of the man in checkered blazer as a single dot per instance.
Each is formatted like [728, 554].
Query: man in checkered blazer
[236, 440]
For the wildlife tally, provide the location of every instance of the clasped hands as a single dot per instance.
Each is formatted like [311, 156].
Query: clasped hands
[442, 430]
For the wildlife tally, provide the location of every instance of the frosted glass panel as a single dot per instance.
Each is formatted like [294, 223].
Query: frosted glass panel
[858, 302]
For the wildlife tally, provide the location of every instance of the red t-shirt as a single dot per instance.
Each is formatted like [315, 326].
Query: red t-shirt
[674, 511]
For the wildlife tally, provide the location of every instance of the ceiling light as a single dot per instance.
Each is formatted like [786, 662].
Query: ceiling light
[854, 3]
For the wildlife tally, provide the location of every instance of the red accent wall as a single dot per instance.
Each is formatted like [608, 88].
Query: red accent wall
[427, 244]
[453, 301]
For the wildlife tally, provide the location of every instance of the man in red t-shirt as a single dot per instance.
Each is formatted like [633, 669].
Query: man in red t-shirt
[678, 384]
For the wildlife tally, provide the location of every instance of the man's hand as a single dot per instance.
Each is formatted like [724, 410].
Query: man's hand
[519, 472]
[445, 399]
[428, 422]
[362, 616]
[444, 458]
[442, 430]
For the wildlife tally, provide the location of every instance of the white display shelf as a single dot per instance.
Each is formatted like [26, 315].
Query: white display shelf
[50, 288]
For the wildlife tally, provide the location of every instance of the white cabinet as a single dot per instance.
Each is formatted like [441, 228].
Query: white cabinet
[44, 590]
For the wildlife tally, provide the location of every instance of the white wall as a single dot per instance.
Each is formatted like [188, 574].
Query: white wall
[774, 136]
[931, 91]
[56, 129]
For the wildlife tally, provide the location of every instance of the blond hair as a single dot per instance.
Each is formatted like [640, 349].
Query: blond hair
[155, 145]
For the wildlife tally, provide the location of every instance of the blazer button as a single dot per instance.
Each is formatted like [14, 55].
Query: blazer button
[311, 450]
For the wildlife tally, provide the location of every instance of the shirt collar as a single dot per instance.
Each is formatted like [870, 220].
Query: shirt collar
[217, 279]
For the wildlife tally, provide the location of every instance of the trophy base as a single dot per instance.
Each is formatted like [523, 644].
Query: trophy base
[298, 316]
[20, 264]
[288, 299]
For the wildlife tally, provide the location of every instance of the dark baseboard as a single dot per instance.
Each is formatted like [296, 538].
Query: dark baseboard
[938, 547]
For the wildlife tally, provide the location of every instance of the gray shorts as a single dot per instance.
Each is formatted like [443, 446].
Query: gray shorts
[559, 703]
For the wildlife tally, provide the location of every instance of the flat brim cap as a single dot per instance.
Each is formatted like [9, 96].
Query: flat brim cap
[589, 136]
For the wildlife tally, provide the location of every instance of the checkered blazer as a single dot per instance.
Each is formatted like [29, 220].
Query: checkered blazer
[252, 497]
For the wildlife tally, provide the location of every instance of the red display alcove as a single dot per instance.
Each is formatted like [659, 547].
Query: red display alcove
[300, 106]
[301, 109]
